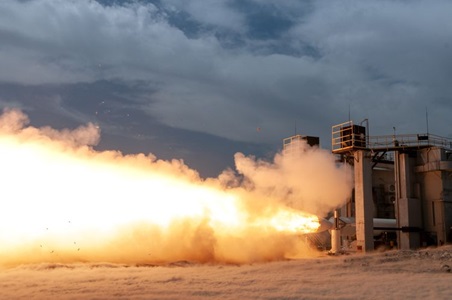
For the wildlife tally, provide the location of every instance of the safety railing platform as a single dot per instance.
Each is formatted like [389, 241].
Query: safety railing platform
[349, 137]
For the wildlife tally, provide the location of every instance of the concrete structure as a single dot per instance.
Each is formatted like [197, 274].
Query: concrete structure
[433, 170]
[408, 202]
[363, 203]
[406, 177]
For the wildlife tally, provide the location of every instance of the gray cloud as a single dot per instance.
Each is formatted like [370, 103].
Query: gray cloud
[393, 56]
[226, 68]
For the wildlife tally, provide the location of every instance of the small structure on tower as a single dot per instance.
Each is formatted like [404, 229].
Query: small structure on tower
[297, 144]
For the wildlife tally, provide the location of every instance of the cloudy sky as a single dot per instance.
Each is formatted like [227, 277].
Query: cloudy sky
[201, 80]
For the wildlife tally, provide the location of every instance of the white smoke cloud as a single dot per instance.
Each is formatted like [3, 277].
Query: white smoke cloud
[311, 180]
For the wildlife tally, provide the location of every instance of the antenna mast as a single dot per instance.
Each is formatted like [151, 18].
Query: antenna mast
[426, 117]
[349, 114]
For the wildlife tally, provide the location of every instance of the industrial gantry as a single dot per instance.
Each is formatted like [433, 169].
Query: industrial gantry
[422, 184]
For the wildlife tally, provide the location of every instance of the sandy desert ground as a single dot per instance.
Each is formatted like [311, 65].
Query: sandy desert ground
[421, 274]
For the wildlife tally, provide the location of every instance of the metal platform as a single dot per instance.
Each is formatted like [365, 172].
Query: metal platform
[408, 141]
[348, 137]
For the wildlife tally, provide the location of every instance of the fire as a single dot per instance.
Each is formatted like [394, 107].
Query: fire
[63, 202]
[294, 222]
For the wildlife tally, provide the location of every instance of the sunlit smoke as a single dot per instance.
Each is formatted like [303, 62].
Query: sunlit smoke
[308, 180]
[62, 201]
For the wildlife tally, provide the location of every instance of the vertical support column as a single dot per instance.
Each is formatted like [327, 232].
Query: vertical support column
[408, 208]
[363, 201]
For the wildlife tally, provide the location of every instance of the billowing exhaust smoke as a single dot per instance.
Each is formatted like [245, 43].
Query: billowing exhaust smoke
[62, 201]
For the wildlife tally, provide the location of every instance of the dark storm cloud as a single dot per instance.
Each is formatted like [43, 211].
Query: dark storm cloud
[223, 69]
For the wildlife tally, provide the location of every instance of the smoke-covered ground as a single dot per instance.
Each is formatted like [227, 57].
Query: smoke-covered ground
[423, 274]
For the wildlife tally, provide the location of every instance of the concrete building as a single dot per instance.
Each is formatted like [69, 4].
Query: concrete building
[406, 177]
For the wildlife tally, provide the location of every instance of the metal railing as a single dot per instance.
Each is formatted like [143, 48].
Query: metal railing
[408, 141]
[293, 145]
[347, 136]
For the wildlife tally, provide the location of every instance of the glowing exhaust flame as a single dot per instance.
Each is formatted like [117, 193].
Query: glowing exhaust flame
[63, 201]
[294, 222]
